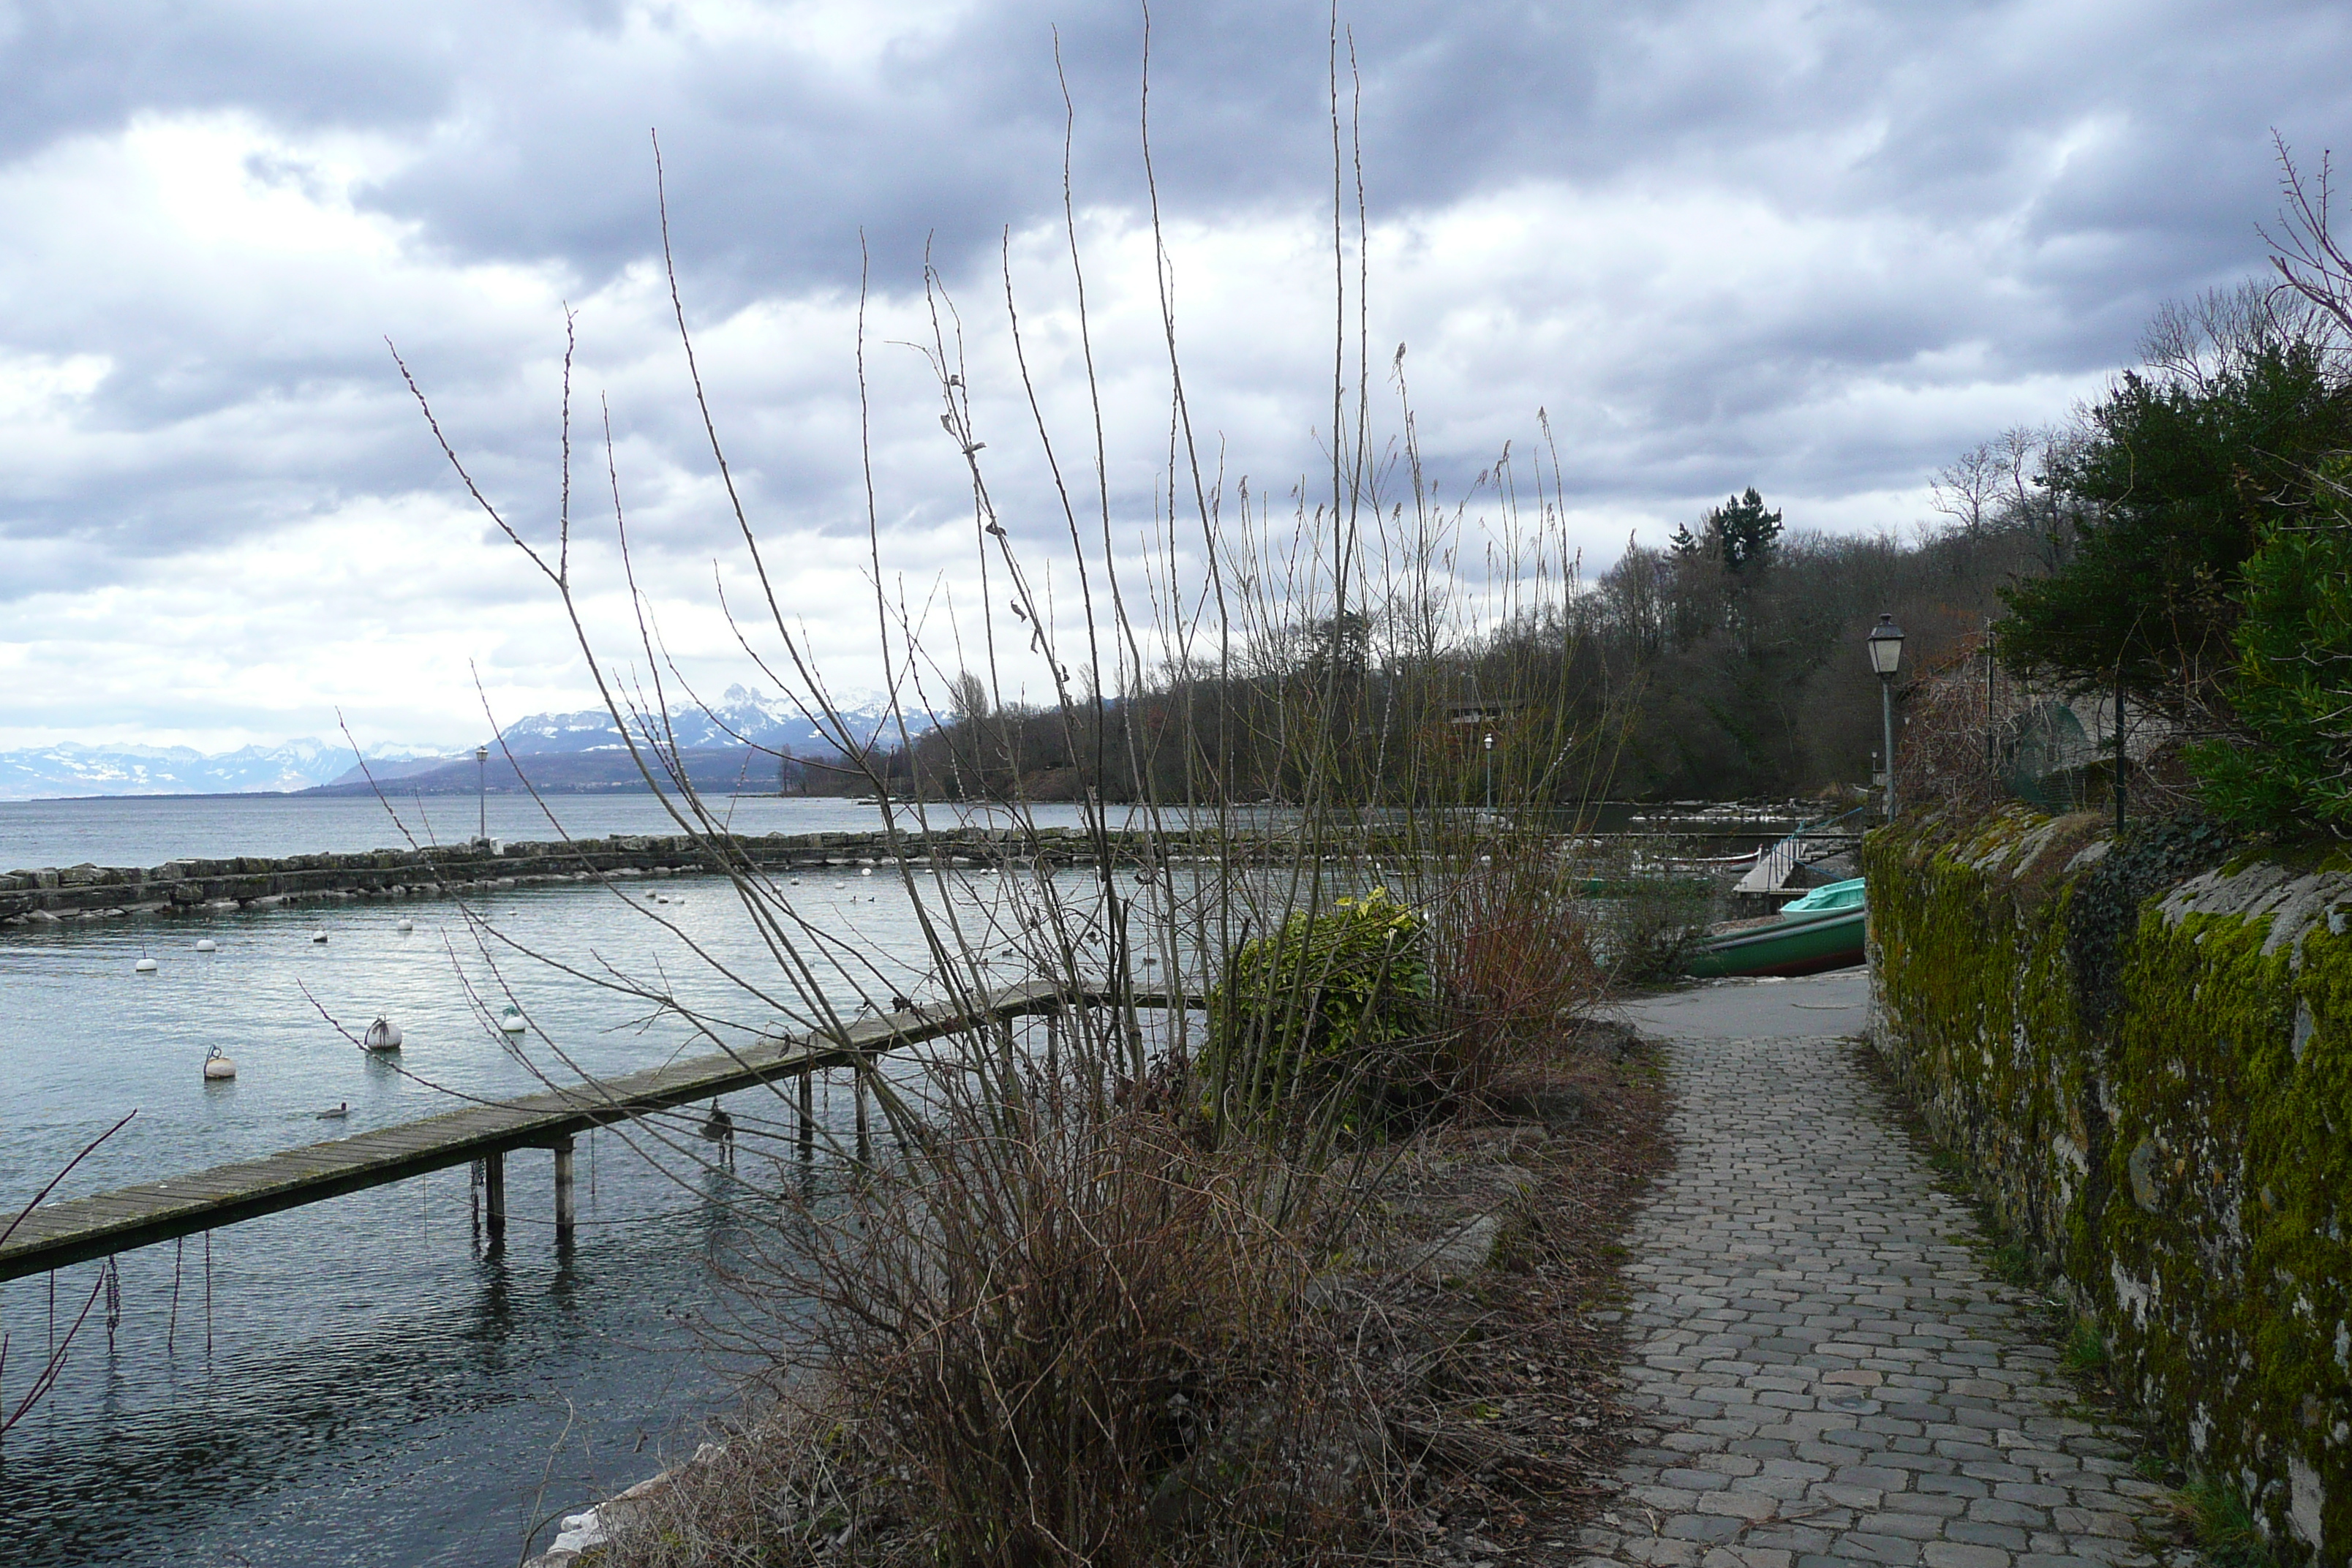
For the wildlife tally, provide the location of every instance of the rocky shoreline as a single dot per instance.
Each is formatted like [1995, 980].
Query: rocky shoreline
[217, 887]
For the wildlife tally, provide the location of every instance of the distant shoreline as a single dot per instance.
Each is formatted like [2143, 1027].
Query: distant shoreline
[336, 792]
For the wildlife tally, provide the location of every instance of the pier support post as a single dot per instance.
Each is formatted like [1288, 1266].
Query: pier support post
[865, 1148]
[494, 1197]
[808, 1115]
[566, 1211]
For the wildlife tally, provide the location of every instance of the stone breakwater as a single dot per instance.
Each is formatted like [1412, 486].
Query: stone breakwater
[32, 898]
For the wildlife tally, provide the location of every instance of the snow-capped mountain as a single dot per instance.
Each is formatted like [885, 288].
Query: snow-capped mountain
[49, 771]
[762, 720]
[38, 772]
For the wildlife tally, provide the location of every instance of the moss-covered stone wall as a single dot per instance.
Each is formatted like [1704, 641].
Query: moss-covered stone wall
[2155, 1092]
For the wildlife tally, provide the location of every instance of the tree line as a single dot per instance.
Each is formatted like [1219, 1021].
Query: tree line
[1728, 663]
[2184, 541]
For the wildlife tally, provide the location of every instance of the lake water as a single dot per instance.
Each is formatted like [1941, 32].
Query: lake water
[359, 1382]
[149, 831]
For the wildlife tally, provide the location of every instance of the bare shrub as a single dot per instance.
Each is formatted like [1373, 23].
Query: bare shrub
[1948, 751]
[1059, 1324]
[1068, 1314]
[1513, 959]
[1073, 1339]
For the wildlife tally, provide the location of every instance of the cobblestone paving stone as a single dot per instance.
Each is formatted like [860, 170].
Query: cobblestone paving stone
[1823, 1374]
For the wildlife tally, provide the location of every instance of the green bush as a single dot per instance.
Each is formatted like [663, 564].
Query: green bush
[2292, 688]
[1331, 1007]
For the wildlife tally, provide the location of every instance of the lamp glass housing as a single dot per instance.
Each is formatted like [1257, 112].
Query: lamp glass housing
[1885, 647]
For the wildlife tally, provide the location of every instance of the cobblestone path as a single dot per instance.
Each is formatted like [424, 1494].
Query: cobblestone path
[1824, 1374]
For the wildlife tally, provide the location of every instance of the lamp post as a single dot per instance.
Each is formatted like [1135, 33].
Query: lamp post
[1885, 646]
[482, 791]
[1490, 771]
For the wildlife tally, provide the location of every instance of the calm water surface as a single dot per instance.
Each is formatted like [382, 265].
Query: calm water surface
[358, 1382]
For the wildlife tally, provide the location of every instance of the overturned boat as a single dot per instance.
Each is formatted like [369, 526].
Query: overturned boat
[1823, 929]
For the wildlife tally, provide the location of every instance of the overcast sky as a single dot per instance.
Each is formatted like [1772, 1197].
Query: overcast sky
[1817, 247]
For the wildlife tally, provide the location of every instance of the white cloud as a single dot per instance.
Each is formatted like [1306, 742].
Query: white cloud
[1817, 249]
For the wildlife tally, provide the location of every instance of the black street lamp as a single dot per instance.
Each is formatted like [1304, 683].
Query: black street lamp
[1490, 773]
[482, 791]
[1885, 646]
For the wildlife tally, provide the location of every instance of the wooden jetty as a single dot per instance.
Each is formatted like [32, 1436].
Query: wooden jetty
[76, 1230]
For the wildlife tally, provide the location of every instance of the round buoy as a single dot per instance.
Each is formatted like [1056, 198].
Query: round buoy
[318, 936]
[144, 966]
[206, 944]
[219, 1066]
[383, 1035]
[512, 1021]
[406, 925]
[867, 871]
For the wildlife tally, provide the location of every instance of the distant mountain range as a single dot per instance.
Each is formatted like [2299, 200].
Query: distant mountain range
[48, 772]
[576, 751]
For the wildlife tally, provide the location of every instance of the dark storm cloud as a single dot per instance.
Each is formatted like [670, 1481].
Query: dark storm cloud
[532, 117]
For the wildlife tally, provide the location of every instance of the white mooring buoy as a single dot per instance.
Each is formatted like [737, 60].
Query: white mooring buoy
[206, 944]
[145, 965]
[512, 1020]
[217, 1067]
[383, 1035]
[406, 925]
[318, 936]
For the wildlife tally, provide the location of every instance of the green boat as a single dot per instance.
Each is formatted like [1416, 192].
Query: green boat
[1823, 929]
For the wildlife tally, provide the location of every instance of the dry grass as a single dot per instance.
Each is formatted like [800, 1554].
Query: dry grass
[1148, 1369]
[1513, 962]
[1498, 1388]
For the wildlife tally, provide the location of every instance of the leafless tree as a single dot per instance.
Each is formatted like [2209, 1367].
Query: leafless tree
[2304, 252]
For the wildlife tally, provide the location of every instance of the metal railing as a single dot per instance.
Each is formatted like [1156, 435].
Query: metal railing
[1774, 865]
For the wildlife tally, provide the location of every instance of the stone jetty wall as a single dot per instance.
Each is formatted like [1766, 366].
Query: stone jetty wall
[2142, 1053]
[180, 887]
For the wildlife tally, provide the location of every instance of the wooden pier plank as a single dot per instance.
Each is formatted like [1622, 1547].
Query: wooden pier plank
[75, 1230]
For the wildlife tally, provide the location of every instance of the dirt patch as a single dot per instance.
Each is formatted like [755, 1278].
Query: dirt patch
[1498, 1373]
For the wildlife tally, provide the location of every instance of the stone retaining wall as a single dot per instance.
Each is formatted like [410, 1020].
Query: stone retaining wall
[2159, 1102]
[178, 887]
